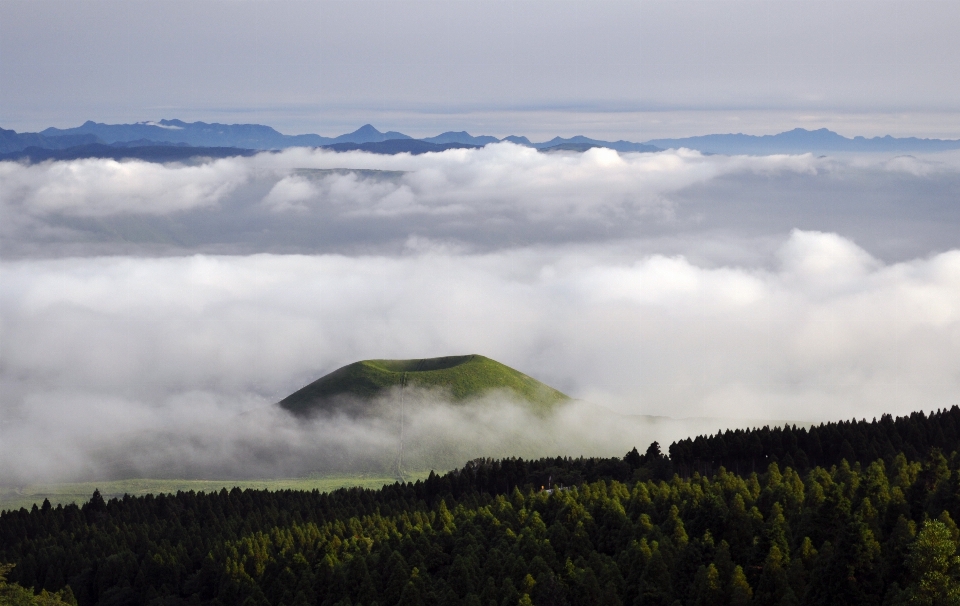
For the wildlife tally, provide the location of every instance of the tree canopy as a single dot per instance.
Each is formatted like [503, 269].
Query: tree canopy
[642, 529]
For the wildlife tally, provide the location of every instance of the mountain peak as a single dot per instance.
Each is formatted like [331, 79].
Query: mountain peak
[366, 129]
[368, 134]
[821, 132]
[461, 137]
[518, 140]
[354, 387]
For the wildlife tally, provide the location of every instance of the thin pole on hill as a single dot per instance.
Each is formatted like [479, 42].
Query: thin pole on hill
[403, 382]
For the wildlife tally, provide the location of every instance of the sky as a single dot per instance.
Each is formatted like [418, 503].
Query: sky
[636, 69]
[152, 314]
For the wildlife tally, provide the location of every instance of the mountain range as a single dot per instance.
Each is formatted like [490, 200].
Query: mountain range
[260, 137]
[216, 140]
[799, 140]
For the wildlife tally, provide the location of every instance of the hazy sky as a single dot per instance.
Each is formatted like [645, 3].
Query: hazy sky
[634, 69]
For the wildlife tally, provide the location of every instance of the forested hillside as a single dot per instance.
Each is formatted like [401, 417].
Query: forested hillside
[645, 529]
[824, 445]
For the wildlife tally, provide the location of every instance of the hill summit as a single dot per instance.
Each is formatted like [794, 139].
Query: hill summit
[462, 377]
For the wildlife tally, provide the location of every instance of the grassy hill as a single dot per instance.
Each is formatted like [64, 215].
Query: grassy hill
[463, 377]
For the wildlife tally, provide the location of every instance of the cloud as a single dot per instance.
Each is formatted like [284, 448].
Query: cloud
[289, 194]
[149, 320]
[102, 352]
[201, 435]
[497, 178]
[498, 197]
[99, 187]
[167, 126]
[825, 260]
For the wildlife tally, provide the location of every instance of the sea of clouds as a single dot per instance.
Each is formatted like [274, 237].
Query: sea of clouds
[151, 314]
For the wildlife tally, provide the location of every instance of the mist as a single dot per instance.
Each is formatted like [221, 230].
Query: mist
[201, 436]
[151, 315]
[103, 353]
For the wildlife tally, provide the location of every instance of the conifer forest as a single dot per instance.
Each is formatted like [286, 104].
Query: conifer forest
[858, 512]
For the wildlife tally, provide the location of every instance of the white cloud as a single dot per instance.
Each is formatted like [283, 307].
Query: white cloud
[666, 283]
[507, 178]
[167, 126]
[828, 333]
[501, 196]
[93, 187]
[200, 435]
[289, 194]
[502, 179]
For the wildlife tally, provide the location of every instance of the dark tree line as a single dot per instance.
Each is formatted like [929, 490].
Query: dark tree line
[550, 531]
[827, 444]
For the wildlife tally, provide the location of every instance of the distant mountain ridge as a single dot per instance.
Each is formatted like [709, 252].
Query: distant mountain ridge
[367, 134]
[800, 140]
[249, 136]
[11, 141]
[579, 142]
[399, 146]
[153, 152]
[368, 138]
[461, 137]
[260, 137]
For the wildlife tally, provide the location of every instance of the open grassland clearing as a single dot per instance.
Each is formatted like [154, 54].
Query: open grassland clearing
[79, 492]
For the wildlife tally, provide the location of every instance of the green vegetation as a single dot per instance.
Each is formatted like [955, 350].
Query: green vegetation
[824, 445]
[12, 594]
[634, 530]
[461, 377]
[79, 492]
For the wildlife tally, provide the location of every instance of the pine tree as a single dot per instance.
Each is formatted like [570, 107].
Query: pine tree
[707, 590]
[12, 594]
[772, 586]
[655, 584]
[741, 594]
[934, 567]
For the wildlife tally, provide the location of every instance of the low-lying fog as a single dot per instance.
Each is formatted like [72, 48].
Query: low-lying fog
[151, 314]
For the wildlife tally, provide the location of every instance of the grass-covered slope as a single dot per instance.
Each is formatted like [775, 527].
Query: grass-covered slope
[463, 377]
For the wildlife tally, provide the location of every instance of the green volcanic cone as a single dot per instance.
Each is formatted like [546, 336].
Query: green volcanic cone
[462, 377]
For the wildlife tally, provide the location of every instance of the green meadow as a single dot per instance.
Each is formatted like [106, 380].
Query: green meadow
[80, 492]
